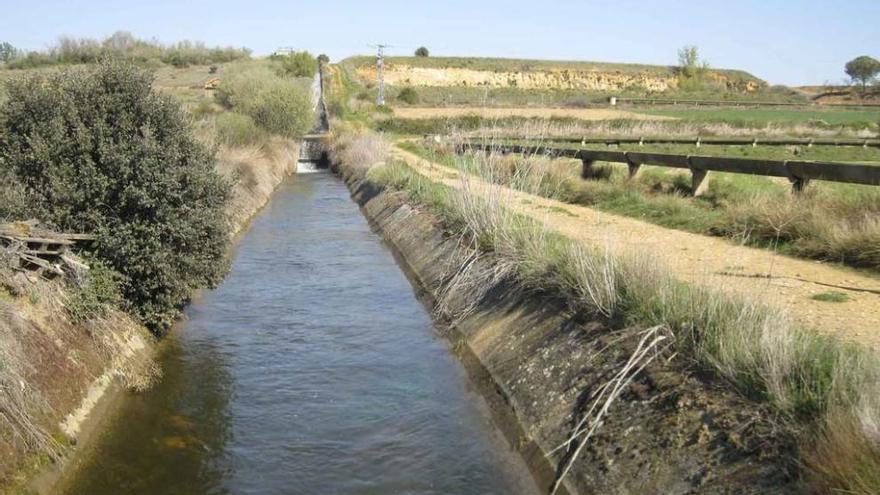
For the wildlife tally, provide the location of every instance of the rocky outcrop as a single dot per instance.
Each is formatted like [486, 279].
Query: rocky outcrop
[569, 79]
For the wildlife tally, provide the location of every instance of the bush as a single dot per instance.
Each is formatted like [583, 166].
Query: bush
[274, 103]
[100, 152]
[96, 294]
[422, 52]
[298, 64]
[124, 45]
[234, 129]
[408, 95]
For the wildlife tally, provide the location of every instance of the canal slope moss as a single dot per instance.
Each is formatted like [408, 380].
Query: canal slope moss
[544, 362]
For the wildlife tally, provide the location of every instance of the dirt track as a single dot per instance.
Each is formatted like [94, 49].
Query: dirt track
[759, 273]
[497, 113]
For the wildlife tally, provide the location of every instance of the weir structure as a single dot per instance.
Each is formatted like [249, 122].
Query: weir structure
[313, 147]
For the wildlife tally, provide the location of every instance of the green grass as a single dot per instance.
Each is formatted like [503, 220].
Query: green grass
[831, 296]
[571, 98]
[757, 116]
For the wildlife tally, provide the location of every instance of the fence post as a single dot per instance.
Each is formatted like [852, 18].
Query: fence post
[699, 179]
[798, 185]
[587, 171]
[633, 168]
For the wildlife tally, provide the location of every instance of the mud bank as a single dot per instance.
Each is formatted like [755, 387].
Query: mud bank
[69, 376]
[538, 364]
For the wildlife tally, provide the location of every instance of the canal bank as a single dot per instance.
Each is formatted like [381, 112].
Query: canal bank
[311, 369]
[542, 365]
[84, 381]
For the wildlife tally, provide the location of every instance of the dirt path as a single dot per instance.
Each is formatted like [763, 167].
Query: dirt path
[528, 112]
[759, 273]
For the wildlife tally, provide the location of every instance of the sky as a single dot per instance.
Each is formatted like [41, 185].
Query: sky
[783, 42]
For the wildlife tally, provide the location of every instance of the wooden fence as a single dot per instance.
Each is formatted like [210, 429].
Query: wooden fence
[736, 103]
[798, 172]
[699, 140]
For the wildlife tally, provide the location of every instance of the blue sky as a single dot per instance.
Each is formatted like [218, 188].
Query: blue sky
[787, 42]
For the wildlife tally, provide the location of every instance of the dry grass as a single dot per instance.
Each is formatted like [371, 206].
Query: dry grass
[824, 391]
[46, 360]
[545, 129]
[357, 149]
[814, 225]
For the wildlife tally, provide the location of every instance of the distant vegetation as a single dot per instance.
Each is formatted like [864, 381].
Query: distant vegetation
[408, 95]
[422, 52]
[96, 149]
[297, 64]
[122, 45]
[863, 70]
[691, 69]
[272, 101]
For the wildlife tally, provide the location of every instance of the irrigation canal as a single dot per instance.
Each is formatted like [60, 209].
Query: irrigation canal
[312, 369]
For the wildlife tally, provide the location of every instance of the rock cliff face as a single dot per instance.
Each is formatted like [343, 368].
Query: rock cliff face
[589, 80]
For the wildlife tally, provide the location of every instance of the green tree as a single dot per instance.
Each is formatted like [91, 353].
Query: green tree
[8, 52]
[863, 69]
[422, 52]
[299, 64]
[98, 150]
[689, 62]
[323, 58]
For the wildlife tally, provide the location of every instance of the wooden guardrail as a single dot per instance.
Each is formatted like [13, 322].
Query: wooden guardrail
[798, 172]
[735, 103]
[699, 140]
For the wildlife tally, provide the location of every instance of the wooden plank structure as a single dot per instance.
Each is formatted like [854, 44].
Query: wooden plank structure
[699, 141]
[798, 172]
[28, 247]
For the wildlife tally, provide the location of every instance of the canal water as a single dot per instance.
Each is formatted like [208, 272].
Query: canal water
[312, 369]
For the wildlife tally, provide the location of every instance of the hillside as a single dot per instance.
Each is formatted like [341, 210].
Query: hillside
[540, 74]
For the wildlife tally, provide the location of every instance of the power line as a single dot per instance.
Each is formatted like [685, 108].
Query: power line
[380, 72]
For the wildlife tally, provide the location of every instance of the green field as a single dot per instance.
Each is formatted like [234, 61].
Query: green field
[758, 116]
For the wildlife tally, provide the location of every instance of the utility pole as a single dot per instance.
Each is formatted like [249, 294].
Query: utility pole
[380, 73]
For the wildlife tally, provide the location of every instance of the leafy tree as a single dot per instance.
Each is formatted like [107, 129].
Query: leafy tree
[8, 52]
[98, 150]
[299, 64]
[689, 62]
[422, 52]
[863, 69]
[323, 58]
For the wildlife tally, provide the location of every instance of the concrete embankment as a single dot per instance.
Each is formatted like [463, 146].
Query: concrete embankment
[541, 366]
[61, 379]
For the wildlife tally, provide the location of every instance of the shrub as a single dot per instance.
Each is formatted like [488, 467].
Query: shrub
[96, 294]
[422, 52]
[99, 151]
[125, 46]
[7, 52]
[234, 129]
[274, 103]
[298, 64]
[408, 95]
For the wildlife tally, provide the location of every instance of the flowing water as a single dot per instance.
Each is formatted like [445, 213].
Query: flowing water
[312, 369]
